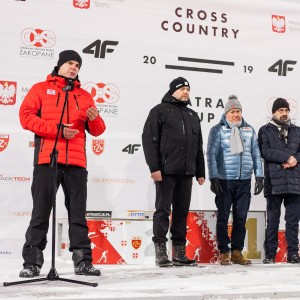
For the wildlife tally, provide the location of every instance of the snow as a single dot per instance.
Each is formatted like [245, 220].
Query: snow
[207, 281]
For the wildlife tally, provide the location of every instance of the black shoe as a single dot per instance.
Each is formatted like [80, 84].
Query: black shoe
[179, 257]
[269, 259]
[161, 257]
[86, 268]
[293, 259]
[30, 270]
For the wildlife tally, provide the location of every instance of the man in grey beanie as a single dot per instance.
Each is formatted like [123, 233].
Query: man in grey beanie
[232, 156]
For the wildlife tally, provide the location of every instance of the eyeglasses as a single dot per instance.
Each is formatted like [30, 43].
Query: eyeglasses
[283, 110]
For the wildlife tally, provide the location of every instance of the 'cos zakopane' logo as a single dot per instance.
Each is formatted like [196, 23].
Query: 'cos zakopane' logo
[38, 38]
[278, 24]
[8, 92]
[82, 4]
[103, 93]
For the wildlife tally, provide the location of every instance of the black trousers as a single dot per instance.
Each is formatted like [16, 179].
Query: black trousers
[74, 183]
[292, 215]
[236, 194]
[173, 191]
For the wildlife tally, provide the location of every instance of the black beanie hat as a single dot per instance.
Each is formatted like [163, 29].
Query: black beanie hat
[280, 103]
[68, 55]
[177, 84]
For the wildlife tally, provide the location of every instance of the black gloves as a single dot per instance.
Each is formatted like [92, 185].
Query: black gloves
[259, 185]
[215, 186]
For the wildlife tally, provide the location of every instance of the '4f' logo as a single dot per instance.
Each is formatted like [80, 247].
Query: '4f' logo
[131, 148]
[281, 67]
[99, 49]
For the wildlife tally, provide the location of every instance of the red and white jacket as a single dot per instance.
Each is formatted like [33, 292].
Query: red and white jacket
[40, 113]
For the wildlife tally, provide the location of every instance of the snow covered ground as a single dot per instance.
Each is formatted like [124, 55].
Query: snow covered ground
[207, 281]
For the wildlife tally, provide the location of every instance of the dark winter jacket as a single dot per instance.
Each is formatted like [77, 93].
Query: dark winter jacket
[222, 164]
[172, 139]
[275, 152]
[40, 113]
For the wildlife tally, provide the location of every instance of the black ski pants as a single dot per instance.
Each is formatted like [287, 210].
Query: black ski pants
[73, 180]
[172, 191]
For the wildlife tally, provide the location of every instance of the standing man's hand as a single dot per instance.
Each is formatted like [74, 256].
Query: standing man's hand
[259, 185]
[201, 180]
[92, 113]
[292, 161]
[69, 133]
[156, 176]
[216, 187]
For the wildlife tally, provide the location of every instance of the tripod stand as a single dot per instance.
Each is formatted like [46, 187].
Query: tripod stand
[53, 275]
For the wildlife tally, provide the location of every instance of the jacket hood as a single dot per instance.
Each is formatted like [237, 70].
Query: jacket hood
[223, 121]
[170, 99]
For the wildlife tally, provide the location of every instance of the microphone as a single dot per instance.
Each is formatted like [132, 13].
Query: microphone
[69, 86]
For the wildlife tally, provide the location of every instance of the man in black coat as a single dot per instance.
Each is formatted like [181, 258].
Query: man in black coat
[172, 143]
[279, 143]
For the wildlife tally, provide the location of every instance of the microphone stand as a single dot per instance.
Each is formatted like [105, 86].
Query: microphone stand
[53, 275]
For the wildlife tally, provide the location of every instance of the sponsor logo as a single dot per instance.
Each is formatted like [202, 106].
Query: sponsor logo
[19, 213]
[198, 61]
[201, 23]
[136, 214]
[105, 96]
[131, 148]
[38, 43]
[38, 38]
[83, 4]
[4, 140]
[278, 24]
[50, 92]
[14, 178]
[98, 146]
[5, 252]
[114, 180]
[8, 91]
[136, 242]
[99, 49]
[98, 214]
[281, 67]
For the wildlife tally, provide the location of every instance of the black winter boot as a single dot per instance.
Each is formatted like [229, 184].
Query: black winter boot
[86, 268]
[180, 258]
[293, 259]
[30, 270]
[161, 257]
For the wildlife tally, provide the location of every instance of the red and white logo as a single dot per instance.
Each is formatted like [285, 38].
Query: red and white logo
[98, 146]
[103, 93]
[278, 24]
[8, 92]
[136, 242]
[4, 139]
[82, 4]
[38, 38]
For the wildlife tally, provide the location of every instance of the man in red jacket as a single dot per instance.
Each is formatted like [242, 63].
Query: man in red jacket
[40, 113]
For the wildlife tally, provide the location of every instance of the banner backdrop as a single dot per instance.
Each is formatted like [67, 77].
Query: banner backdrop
[131, 50]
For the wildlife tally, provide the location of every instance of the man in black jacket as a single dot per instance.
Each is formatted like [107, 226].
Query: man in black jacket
[279, 143]
[172, 142]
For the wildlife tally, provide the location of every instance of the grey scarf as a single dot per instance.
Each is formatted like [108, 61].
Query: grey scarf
[283, 127]
[236, 141]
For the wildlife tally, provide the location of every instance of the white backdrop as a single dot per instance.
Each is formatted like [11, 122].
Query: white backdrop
[131, 50]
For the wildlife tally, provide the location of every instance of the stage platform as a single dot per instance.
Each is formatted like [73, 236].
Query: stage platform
[207, 281]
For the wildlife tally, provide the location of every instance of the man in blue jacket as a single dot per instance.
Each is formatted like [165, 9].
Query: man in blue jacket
[232, 156]
[279, 142]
